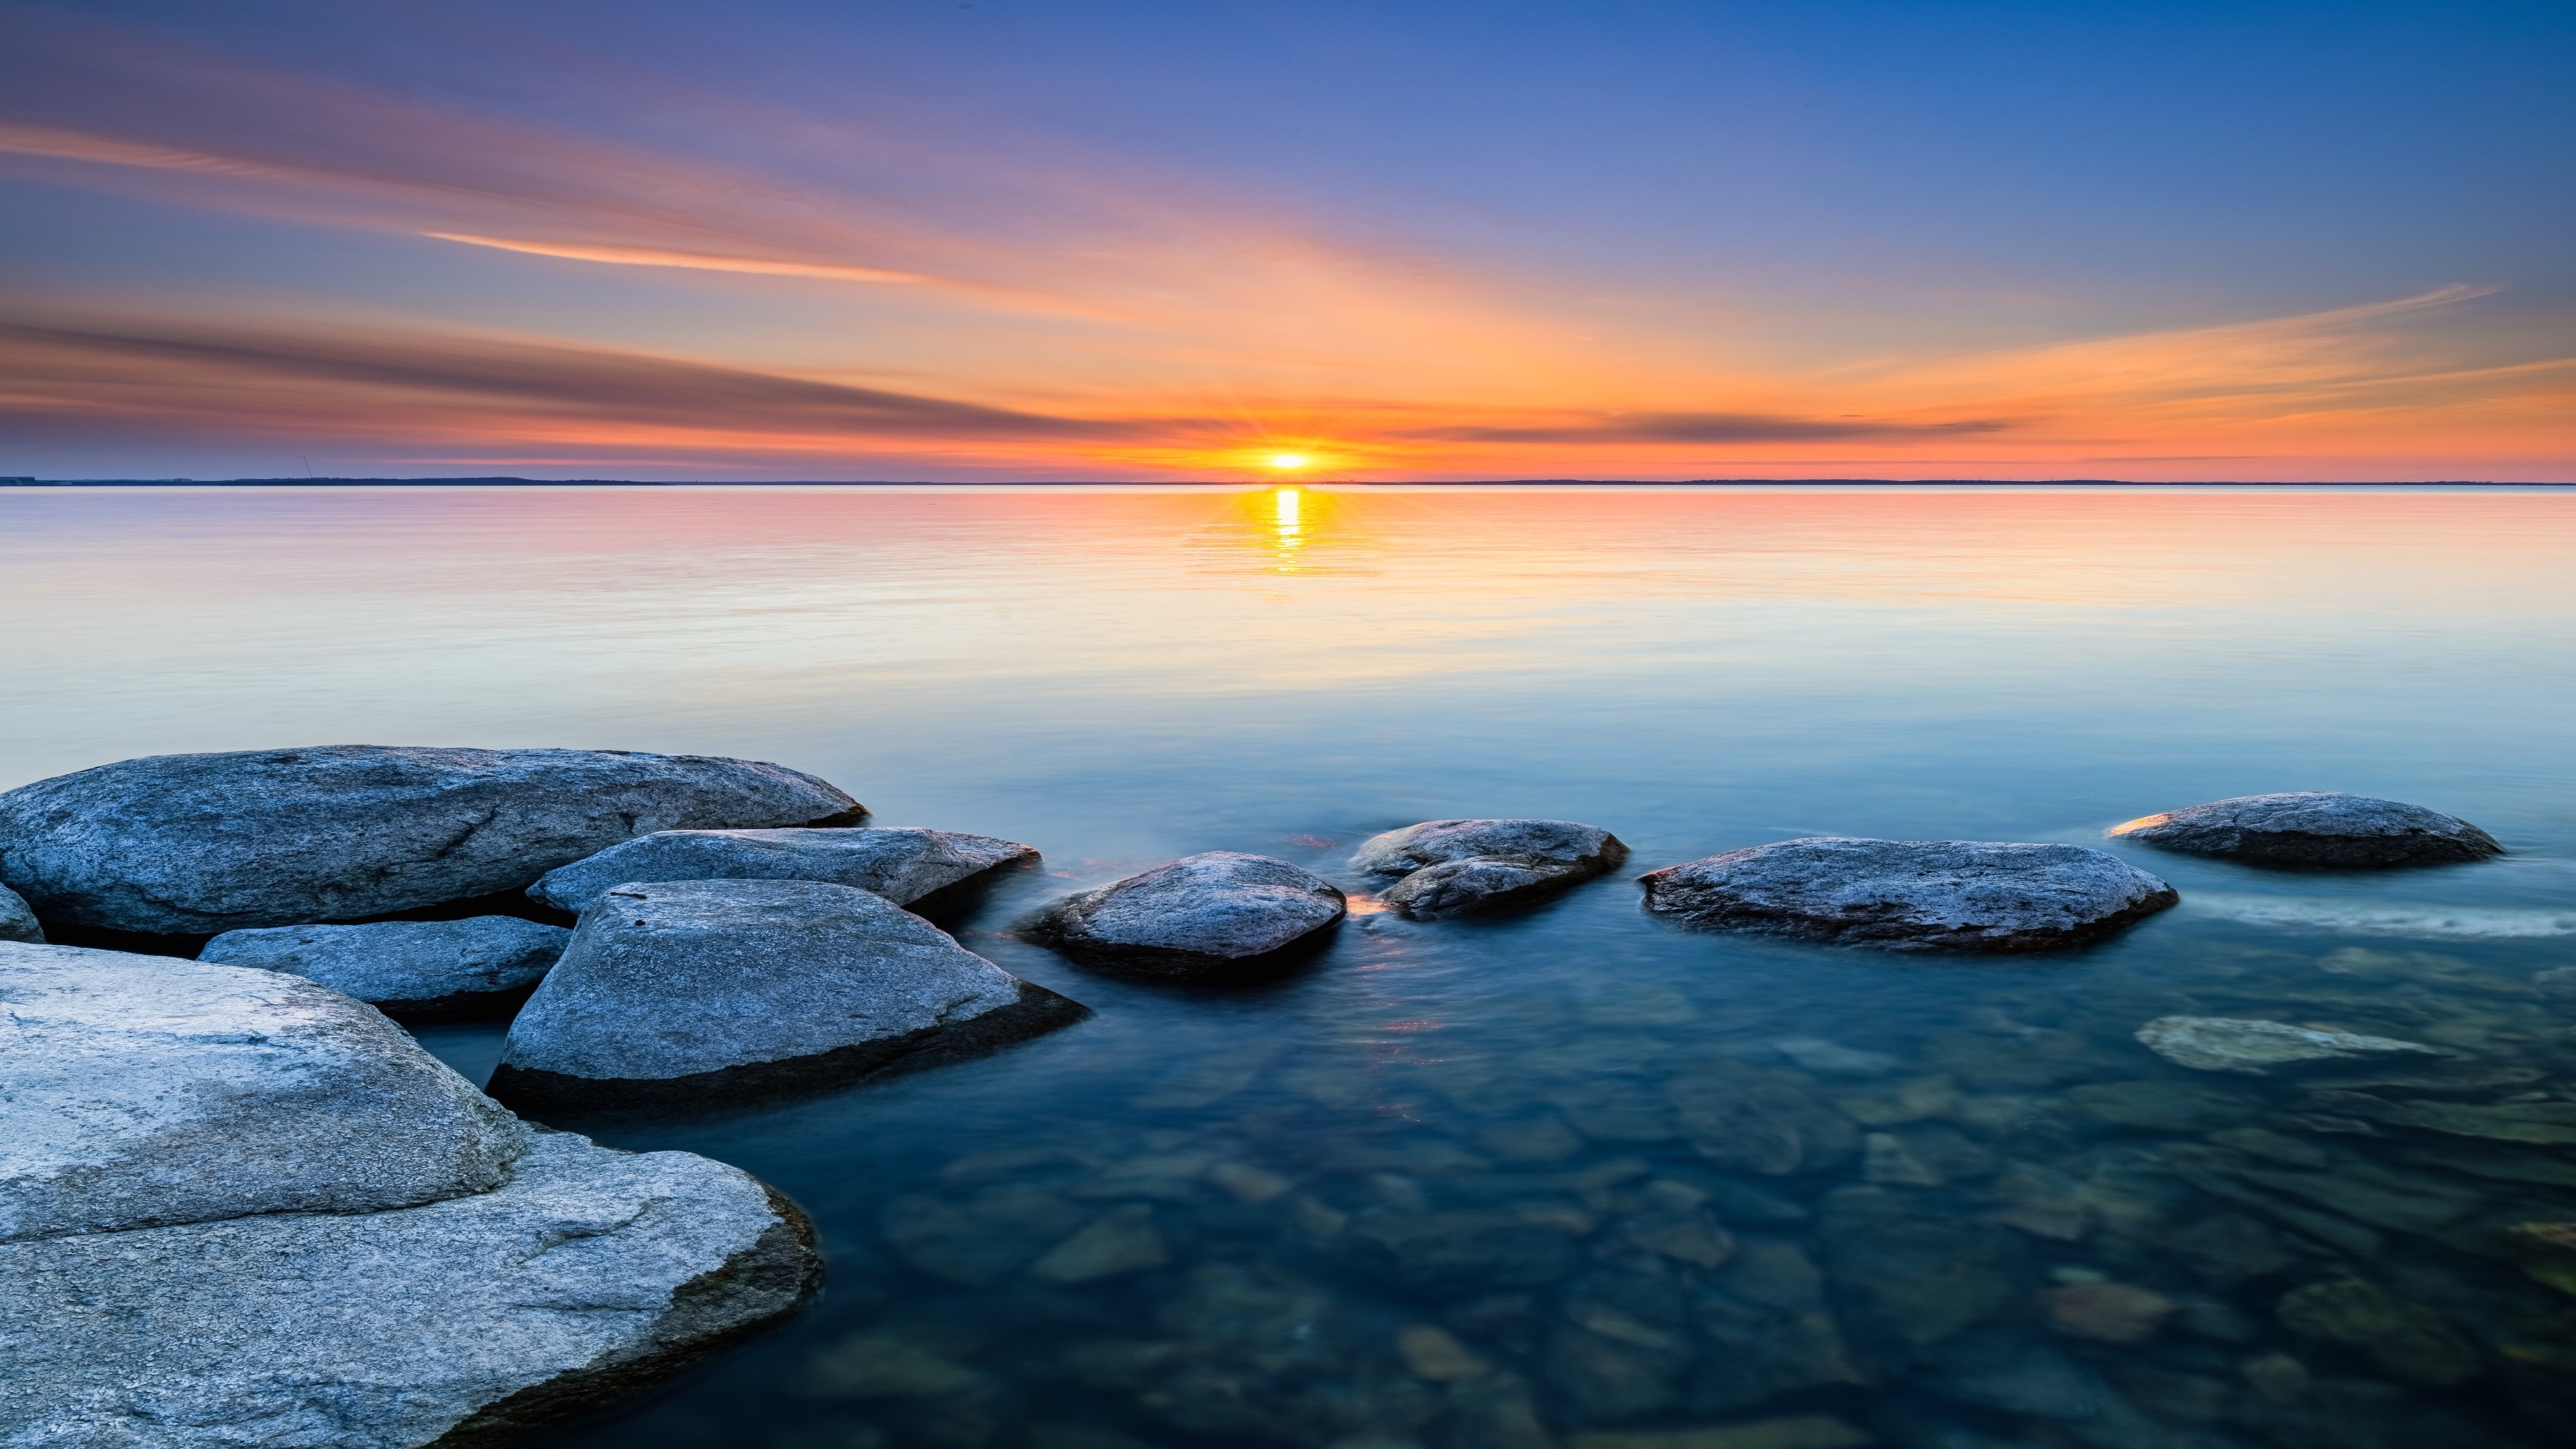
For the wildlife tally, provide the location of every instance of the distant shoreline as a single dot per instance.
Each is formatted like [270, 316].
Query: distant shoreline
[1223, 483]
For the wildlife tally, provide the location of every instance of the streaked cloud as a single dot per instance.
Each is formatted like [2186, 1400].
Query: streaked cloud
[699, 261]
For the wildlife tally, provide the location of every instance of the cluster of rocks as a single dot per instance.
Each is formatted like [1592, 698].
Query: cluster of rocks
[239, 1207]
[737, 928]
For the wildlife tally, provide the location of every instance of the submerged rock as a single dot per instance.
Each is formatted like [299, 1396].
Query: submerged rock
[201, 844]
[2546, 1123]
[2108, 1312]
[2408, 1340]
[673, 990]
[899, 863]
[144, 1090]
[2314, 828]
[17, 922]
[1199, 914]
[2229, 1044]
[1958, 895]
[416, 970]
[1453, 867]
[587, 1273]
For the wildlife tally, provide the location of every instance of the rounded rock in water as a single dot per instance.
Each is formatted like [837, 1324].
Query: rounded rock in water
[902, 864]
[202, 844]
[409, 970]
[1208, 913]
[2321, 829]
[1912, 895]
[677, 989]
[1453, 867]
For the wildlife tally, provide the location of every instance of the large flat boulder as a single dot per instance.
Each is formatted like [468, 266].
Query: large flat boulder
[902, 864]
[202, 844]
[1211, 912]
[1917, 895]
[1456, 867]
[17, 921]
[409, 970]
[679, 990]
[2316, 829]
[145, 1090]
[588, 1273]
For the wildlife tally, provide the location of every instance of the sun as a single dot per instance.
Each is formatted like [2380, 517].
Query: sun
[1287, 462]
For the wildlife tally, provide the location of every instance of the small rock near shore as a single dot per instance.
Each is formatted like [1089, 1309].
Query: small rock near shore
[410, 970]
[1947, 895]
[898, 863]
[1200, 914]
[2324, 829]
[145, 1091]
[203, 844]
[17, 922]
[1452, 867]
[677, 989]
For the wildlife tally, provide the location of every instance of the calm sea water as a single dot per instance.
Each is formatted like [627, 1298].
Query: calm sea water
[1571, 1177]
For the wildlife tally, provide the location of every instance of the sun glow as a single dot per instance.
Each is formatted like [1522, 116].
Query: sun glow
[1287, 462]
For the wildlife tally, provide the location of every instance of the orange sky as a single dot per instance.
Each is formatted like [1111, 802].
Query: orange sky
[239, 261]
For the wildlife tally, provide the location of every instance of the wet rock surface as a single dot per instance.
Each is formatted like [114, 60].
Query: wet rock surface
[144, 1090]
[1455, 867]
[901, 864]
[1203, 914]
[410, 970]
[2314, 829]
[1943, 895]
[202, 844]
[676, 990]
[589, 1272]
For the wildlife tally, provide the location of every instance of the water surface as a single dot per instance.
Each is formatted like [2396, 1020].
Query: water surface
[1570, 1173]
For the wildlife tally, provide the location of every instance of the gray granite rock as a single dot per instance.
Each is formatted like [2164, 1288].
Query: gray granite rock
[588, 1273]
[17, 922]
[680, 989]
[1954, 895]
[413, 970]
[2314, 828]
[2230, 1044]
[144, 1090]
[899, 863]
[1202, 913]
[201, 844]
[1452, 867]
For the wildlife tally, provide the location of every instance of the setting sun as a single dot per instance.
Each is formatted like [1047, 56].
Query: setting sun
[1286, 462]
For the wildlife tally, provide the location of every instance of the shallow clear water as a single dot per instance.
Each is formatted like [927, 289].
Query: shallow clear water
[1570, 1173]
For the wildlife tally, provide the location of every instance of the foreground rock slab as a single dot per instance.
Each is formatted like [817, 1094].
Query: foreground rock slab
[2230, 1044]
[143, 1090]
[202, 844]
[413, 970]
[589, 1273]
[678, 990]
[2314, 828]
[1453, 867]
[17, 922]
[1920, 895]
[1201, 914]
[899, 863]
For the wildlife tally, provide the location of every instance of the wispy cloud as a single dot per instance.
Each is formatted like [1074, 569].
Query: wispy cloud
[698, 261]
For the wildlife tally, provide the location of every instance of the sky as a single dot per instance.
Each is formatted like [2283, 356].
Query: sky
[1383, 241]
